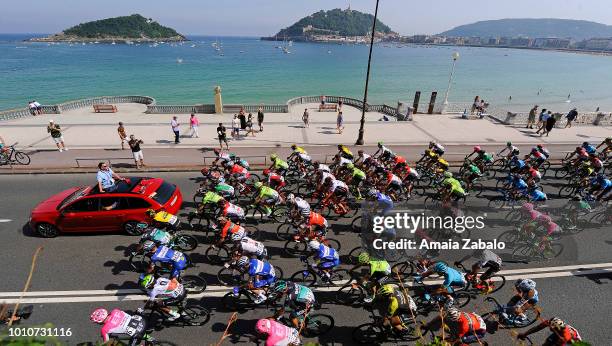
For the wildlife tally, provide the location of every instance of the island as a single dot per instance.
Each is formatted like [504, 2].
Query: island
[125, 29]
[337, 25]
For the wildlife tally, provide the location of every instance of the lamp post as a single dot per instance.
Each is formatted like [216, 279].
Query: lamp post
[450, 80]
[365, 94]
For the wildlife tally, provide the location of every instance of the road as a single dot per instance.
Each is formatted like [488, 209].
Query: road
[72, 269]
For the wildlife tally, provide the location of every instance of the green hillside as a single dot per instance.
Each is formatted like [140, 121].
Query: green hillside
[127, 27]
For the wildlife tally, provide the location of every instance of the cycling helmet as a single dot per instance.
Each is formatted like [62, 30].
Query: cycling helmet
[386, 290]
[221, 219]
[534, 150]
[477, 149]
[273, 157]
[372, 193]
[453, 314]
[279, 286]
[448, 174]
[263, 326]
[364, 258]
[360, 151]
[243, 261]
[215, 176]
[350, 166]
[313, 245]
[148, 245]
[258, 185]
[340, 146]
[328, 180]
[540, 146]
[527, 207]
[98, 315]
[440, 267]
[556, 323]
[237, 236]
[508, 144]
[150, 212]
[291, 198]
[266, 171]
[516, 152]
[431, 144]
[233, 156]
[525, 284]
[585, 144]
[204, 171]
[146, 280]
[380, 144]
[293, 146]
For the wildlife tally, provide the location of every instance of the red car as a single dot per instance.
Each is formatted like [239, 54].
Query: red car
[85, 209]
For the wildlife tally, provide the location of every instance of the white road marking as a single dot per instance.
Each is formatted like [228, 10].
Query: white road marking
[85, 296]
[5, 220]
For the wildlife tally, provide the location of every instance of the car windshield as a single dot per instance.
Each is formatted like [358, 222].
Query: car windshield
[72, 197]
[164, 192]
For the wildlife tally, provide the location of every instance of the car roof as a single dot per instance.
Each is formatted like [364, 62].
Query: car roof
[133, 185]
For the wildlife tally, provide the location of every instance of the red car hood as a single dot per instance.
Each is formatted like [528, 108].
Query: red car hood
[51, 203]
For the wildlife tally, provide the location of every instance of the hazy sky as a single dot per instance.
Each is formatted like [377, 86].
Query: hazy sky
[266, 17]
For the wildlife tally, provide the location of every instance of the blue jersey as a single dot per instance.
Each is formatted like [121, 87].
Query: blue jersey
[264, 270]
[519, 184]
[452, 278]
[164, 254]
[590, 149]
[384, 201]
[537, 196]
[326, 253]
[603, 183]
[518, 163]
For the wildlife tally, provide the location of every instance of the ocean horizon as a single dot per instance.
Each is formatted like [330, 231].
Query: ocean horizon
[251, 71]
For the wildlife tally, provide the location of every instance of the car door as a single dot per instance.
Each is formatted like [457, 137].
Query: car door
[79, 215]
[112, 214]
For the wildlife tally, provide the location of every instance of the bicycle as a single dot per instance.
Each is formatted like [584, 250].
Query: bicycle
[427, 302]
[376, 332]
[543, 249]
[181, 242]
[312, 325]
[232, 275]
[298, 245]
[314, 276]
[501, 316]
[191, 315]
[490, 285]
[241, 299]
[13, 155]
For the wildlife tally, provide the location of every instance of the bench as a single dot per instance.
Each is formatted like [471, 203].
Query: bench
[105, 108]
[328, 107]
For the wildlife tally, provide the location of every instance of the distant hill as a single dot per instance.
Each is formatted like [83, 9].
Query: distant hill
[337, 21]
[134, 27]
[533, 28]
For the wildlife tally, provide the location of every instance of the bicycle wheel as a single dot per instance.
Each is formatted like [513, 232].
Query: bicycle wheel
[348, 295]
[338, 277]
[139, 262]
[553, 252]
[317, 324]
[567, 191]
[254, 213]
[217, 255]
[278, 272]
[404, 269]
[284, 231]
[495, 283]
[562, 172]
[304, 277]
[354, 254]
[532, 315]
[461, 299]
[185, 242]
[295, 248]
[22, 158]
[240, 302]
[198, 197]
[524, 253]
[195, 315]
[497, 202]
[333, 243]
[356, 225]
[368, 334]
[252, 232]
[508, 237]
[544, 168]
[231, 277]
[279, 213]
[477, 189]
[193, 283]
[514, 215]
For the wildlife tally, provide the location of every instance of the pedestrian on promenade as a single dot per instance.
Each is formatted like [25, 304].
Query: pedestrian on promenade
[249, 125]
[340, 103]
[106, 178]
[32, 108]
[531, 118]
[305, 118]
[235, 127]
[242, 117]
[260, 118]
[475, 105]
[56, 134]
[3, 150]
[550, 123]
[323, 99]
[122, 134]
[340, 122]
[137, 151]
[571, 116]
[38, 107]
[176, 129]
[221, 134]
[194, 122]
[543, 117]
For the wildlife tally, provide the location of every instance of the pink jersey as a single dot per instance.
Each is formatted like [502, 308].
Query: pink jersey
[118, 322]
[534, 214]
[281, 335]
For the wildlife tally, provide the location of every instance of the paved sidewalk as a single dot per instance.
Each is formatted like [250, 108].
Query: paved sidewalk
[94, 136]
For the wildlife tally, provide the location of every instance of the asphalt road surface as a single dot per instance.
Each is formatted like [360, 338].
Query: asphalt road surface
[77, 273]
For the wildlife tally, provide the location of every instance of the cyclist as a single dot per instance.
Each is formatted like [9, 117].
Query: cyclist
[279, 166]
[343, 151]
[300, 157]
[547, 223]
[452, 186]
[532, 174]
[317, 225]
[486, 259]
[543, 150]
[482, 157]
[244, 245]
[608, 147]
[392, 185]
[441, 165]
[384, 151]
[228, 228]
[437, 148]
[600, 186]
[383, 201]
[465, 327]
[230, 210]
[378, 276]
[163, 218]
[356, 179]
[398, 308]
[237, 172]
[471, 174]
[261, 275]
[210, 200]
[336, 193]
[158, 236]
[120, 322]
[452, 278]
[589, 148]
[242, 162]
[536, 157]
[518, 186]
[361, 157]
[275, 180]
[298, 208]
[325, 258]
[536, 195]
[267, 197]
[596, 163]
[411, 175]
[163, 293]
[319, 167]
[3, 149]
[526, 298]
[277, 333]
[163, 254]
[221, 187]
[300, 299]
[516, 164]
[562, 333]
[222, 156]
[339, 163]
[511, 149]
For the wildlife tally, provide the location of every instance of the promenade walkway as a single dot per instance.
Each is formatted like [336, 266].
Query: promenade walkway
[91, 135]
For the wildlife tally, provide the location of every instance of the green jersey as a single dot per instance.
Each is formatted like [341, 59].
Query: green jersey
[222, 187]
[474, 169]
[358, 173]
[211, 198]
[266, 191]
[278, 163]
[379, 266]
[454, 184]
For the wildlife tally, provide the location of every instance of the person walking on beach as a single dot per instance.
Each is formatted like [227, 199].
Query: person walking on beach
[122, 134]
[194, 122]
[571, 116]
[305, 117]
[221, 134]
[550, 123]
[235, 127]
[260, 118]
[340, 122]
[249, 125]
[531, 118]
[56, 134]
[136, 151]
[542, 121]
[176, 129]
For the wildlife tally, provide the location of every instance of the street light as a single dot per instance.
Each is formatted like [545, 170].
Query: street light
[365, 94]
[450, 80]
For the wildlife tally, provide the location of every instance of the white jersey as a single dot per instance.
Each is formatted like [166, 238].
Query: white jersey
[488, 255]
[302, 206]
[165, 288]
[325, 175]
[344, 161]
[324, 168]
[253, 247]
[337, 184]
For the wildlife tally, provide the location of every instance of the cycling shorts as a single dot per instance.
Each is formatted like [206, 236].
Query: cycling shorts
[340, 192]
[172, 301]
[326, 264]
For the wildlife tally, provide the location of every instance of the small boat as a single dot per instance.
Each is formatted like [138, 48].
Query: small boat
[329, 52]
[113, 42]
[179, 60]
[193, 46]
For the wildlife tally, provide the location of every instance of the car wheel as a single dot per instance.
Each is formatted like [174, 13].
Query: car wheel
[47, 230]
[131, 229]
